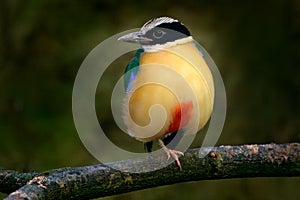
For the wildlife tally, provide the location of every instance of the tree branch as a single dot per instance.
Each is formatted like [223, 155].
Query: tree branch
[11, 180]
[269, 160]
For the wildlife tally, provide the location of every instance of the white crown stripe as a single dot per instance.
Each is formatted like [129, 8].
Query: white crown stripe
[155, 22]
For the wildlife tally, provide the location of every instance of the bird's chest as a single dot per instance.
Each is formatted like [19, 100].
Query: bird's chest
[166, 92]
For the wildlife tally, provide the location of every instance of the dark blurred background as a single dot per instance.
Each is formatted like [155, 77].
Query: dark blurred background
[255, 44]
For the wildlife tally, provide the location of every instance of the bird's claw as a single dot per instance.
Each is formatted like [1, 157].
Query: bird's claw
[174, 154]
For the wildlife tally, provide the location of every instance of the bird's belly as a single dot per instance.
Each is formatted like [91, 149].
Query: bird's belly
[168, 93]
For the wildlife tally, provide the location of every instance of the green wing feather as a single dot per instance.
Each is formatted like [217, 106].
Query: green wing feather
[132, 69]
[199, 48]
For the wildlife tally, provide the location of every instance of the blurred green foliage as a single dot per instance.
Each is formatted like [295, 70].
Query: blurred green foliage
[256, 45]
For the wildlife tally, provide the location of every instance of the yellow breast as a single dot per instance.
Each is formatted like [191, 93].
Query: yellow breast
[167, 79]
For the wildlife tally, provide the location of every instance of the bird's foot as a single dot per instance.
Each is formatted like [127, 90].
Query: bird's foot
[172, 153]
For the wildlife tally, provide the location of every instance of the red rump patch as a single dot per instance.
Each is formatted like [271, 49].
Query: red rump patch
[181, 116]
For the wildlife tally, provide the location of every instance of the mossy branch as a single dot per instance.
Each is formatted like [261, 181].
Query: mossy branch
[269, 160]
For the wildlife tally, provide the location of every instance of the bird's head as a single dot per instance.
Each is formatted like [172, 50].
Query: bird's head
[159, 33]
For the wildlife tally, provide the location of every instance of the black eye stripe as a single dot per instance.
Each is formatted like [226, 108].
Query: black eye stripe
[166, 32]
[176, 26]
[158, 33]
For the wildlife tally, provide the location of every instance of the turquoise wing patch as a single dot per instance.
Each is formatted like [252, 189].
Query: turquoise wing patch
[132, 69]
[199, 48]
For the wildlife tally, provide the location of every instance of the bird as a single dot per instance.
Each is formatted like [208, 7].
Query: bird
[167, 53]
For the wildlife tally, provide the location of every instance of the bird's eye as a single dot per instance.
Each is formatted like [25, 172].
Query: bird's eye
[158, 33]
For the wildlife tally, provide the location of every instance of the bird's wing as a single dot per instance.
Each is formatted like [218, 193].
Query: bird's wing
[132, 69]
[199, 48]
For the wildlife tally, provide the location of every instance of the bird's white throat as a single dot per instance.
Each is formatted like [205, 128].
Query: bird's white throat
[158, 47]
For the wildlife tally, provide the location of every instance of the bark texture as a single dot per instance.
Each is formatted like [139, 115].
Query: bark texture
[268, 160]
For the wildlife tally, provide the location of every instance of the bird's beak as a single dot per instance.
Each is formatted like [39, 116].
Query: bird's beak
[135, 37]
